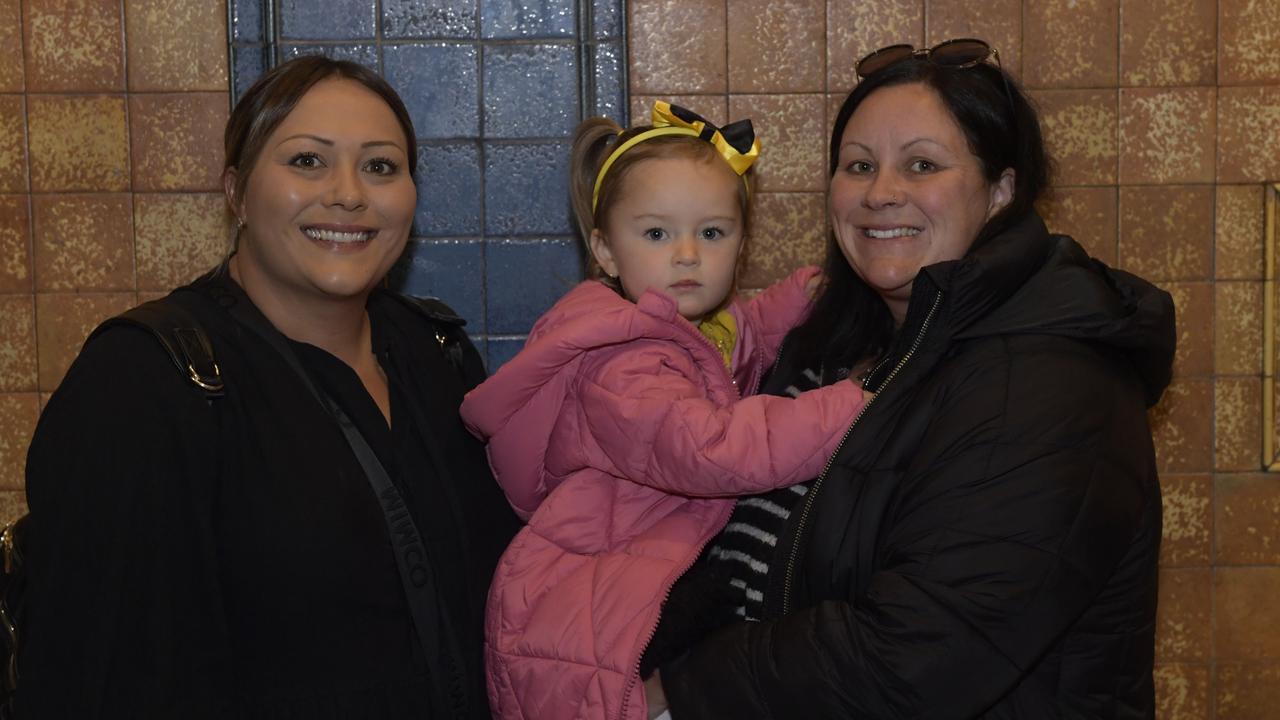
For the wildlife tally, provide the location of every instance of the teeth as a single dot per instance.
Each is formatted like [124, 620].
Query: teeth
[336, 237]
[894, 233]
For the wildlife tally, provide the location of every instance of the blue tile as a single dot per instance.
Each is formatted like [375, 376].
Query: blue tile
[528, 18]
[502, 349]
[609, 98]
[366, 55]
[448, 190]
[327, 19]
[429, 19]
[246, 21]
[440, 85]
[525, 278]
[530, 91]
[248, 64]
[527, 189]
[451, 270]
[606, 19]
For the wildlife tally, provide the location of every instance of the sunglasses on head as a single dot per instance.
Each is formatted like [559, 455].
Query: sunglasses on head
[957, 53]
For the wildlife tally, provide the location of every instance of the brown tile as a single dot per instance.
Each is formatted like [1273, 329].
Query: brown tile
[1193, 303]
[177, 140]
[12, 75]
[1166, 135]
[1087, 214]
[83, 242]
[13, 144]
[1166, 232]
[712, 107]
[792, 143]
[999, 22]
[1248, 134]
[78, 143]
[18, 415]
[13, 505]
[1248, 35]
[1238, 433]
[1188, 520]
[1168, 42]
[74, 45]
[1246, 614]
[17, 343]
[1070, 43]
[855, 29]
[15, 243]
[1183, 615]
[1237, 328]
[1182, 426]
[776, 46]
[63, 321]
[1247, 692]
[1238, 232]
[179, 236]
[1081, 133]
[1182, 692]
[176, 45]
[789, 230]
[677, 47]
[1247, 519]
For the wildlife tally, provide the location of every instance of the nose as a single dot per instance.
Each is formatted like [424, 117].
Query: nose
[884, 191]
[346, 189]
[685, 251]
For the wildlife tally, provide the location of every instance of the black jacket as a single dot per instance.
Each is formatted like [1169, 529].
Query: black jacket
[984, 544]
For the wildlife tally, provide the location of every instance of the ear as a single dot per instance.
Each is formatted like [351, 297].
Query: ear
[229, 177]
[601, 252]
[1001, 193]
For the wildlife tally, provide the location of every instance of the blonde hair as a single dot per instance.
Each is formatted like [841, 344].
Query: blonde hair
[594, 140]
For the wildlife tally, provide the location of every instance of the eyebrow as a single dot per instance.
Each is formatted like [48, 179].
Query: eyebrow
[713, 218]
[907, 144]
[326, 141]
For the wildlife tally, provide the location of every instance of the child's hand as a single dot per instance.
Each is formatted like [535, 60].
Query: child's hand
[654, 696]
[811, 287]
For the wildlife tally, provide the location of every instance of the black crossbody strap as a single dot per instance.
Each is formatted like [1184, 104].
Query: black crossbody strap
[417, 576]
[182, 338]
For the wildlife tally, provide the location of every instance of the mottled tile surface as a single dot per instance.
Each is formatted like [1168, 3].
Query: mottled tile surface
[788, 230]
[63, 321]
[792, 143]
[1166, 232]
[178, 237]
[73, 45]
[1168, 42]
[177, 140]
[527, 189]
[449, 190]
[1237, 438]
[1248, 132]
[1247, 519]
[773, 45]
[1087, 214]
[1182, 426]
[83, 242]
[13, 503]
[524, 278]
[677, 46]
[1238, 328]
[855, 29]
[440, 83]
[13, 144]
[510, 19]
[712, 107]
[999, 22]
[430, 18]
[1246, 614]
[1238, 232]
[530, 91]
[18, 415]
[1070, 43]
[1247, 692]
[1187, 537]
[1081, 133]
[1167, 135]
[1193, 303]
[1182, 615]
[1248, 35]
[1182, 692]
[17, 343]
[177, 45]
[78, 143]
[12, 75]
[15, 243]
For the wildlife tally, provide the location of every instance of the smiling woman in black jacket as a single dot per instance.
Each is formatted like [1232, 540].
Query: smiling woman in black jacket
[984, 542]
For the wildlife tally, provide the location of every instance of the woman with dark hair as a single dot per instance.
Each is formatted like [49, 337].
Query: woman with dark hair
[192, 555]
[985, 543]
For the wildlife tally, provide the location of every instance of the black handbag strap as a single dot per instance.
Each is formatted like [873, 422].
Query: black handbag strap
[182, 337]
[417, 575]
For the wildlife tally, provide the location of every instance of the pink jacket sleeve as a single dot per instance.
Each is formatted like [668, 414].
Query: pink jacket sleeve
[778, 309]
[654, 426]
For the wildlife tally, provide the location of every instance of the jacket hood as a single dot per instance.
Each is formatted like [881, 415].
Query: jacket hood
[1027, 281]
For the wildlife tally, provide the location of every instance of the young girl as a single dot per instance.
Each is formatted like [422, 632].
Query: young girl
[621, 431]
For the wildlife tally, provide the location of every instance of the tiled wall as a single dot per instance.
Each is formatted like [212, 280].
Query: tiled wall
[1165, 119]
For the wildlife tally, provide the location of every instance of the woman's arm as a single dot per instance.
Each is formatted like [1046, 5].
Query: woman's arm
[123, 611]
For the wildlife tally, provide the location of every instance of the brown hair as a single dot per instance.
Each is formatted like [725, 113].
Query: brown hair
[265, 105]
[593, 142]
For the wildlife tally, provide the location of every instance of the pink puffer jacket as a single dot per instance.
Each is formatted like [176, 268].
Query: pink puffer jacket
[619, 434]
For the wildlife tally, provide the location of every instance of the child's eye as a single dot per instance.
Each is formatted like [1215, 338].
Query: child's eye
[712, 233]
[382, 166]
[923, 166]
[305, 160]
[655, 234]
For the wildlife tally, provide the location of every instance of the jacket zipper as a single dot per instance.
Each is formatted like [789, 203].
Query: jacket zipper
[817, 484]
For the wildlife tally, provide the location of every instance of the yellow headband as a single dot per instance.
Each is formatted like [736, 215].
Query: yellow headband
[736, 142]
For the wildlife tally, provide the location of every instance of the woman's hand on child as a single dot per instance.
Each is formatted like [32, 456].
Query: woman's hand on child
[654, 696]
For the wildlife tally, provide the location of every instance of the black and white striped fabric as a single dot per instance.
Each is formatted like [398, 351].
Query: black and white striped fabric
[748, 543]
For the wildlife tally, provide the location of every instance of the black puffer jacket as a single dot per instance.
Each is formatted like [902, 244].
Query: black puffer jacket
[984, 543]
